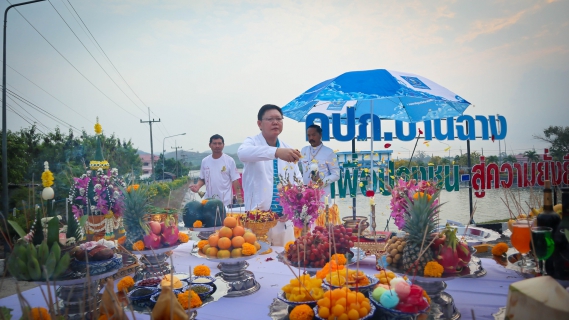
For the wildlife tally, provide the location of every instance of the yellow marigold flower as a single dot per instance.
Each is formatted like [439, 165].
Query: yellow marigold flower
[339, 258]
[98, 127]
[499, 249]
[248, 249]
[47, 178]
[204, 201]
[138, 245]
[287, 245]
[301, 312]
[183, 237]
[421, 194]
[189, 299]
[125, 284]
[198, 223]
[202, 270]
[39, 313]
[202, 244]
[433, 269]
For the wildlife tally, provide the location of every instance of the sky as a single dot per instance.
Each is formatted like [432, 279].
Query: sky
[206, 67]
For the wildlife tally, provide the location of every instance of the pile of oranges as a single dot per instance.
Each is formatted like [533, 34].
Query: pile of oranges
[231, 241]
[343, 303]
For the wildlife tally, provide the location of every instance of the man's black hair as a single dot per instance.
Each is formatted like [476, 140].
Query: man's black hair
[266, 108]
[315, 126]
[216, 136]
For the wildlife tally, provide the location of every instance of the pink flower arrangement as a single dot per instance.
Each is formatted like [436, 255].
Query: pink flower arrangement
[97, 191]
[399, 203]
[301, 202]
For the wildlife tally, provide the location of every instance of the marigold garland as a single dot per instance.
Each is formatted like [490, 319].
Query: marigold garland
[189, 299]
[198, 223]
[125, 284]
[499, 249]
[39, 313]
[183, 237]
[204, 201]
[301, 312]
[287, 245]
[138, 245]
[202, 244]
[433, 269]
[248, 249]
[339, 258]
[202, 270]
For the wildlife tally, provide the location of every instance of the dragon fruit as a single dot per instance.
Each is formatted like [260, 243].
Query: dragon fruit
[440, 239]
[154, 227]
[151, 240]
[170, 233]
[464, 254]
[447, 253]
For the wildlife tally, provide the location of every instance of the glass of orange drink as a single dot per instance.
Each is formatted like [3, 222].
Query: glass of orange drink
[521, 238]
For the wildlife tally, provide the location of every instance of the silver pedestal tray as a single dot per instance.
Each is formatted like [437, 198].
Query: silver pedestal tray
[435, 287]
[233, 270]
[204, 233]
[154, 263]
[475, 235]
[78, 298]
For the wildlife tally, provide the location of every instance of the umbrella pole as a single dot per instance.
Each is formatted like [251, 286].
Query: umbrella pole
[412, 153]
[354, 198]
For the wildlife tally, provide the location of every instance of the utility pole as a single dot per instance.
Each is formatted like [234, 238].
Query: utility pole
[176, 147]
[151, 145]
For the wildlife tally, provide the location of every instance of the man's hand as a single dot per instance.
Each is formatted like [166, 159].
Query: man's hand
[288, 155]
[195, 188]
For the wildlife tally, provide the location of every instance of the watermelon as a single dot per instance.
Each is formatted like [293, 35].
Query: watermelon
[209, 213]
[193, 211]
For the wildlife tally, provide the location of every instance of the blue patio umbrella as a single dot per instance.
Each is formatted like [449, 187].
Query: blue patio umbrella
[386, 93]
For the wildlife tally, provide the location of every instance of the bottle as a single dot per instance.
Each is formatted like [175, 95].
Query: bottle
[561, 264]
[549, 218]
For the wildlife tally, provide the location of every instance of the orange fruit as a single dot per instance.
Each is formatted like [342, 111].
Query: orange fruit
[211, 252]
[238, 231]
[230, 222]
[236, 253]
[237, 242]
[204, 249]
[250, 237]
[224, 243]
[213, 239]
[223, 254]
[225, 232]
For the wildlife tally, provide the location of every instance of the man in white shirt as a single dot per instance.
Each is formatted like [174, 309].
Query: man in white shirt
[319, 157]
[218, 173]
[265, 160]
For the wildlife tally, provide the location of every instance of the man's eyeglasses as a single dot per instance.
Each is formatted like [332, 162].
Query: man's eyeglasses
[278, 120]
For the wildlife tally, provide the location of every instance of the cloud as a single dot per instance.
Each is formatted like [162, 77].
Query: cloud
[491, 26]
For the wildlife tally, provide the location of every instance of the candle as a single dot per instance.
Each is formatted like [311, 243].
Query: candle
[326, 200]
[371, 201]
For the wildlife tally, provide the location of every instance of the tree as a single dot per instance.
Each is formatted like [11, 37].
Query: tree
[531, 155]
[18, 157]
[558, 137]
[492, 159]
[510, 158]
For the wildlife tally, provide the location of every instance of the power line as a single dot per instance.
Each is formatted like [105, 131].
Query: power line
[112, 64]
[19, 115]
[72, 64]
[26, 111]
[97, 61]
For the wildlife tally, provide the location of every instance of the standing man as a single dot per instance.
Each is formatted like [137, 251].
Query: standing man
[318, 156]
[266, 159]
[218, 172]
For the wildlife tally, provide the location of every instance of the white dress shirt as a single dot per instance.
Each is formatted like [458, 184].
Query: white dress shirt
[328, 168]
[257, 157]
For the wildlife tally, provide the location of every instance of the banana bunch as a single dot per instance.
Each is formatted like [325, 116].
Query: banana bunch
[27, 262]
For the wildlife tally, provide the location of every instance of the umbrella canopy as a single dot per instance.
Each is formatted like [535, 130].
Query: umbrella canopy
[391, 94]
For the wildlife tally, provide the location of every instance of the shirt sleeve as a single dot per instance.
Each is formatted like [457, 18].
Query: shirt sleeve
[333, 168]
[249, 152]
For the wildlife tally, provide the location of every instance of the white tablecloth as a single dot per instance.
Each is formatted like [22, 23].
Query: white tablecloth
[485, 295]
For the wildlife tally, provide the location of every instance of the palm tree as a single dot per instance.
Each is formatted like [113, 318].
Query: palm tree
[492, 159]
[510, 158]
[532, 156]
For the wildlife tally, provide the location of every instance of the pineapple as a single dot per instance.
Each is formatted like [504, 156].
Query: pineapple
[421, 216]
[135, 207]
